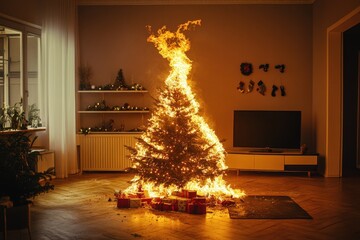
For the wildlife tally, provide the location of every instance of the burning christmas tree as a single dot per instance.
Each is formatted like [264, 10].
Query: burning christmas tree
[178, 150]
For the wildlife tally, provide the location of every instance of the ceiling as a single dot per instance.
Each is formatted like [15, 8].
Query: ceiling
[184, 2]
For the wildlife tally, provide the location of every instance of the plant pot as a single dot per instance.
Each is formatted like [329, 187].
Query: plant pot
[18, 217]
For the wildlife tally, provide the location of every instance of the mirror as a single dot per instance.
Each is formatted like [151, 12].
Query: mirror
[11, 77]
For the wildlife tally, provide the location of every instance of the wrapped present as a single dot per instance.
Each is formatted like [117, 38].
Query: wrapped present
[191, 208]
[196, 208]
[184, 193]
[146, 200]
[167, 207]
[176, 193]
[170, 199]
[123, 202]
[191, 194]
[201, 208]
[197, 200]
[166, 200]
[132, 195]
[117, 193]
[135, 202]
[182, 204]
[174, 202]
[157, 205]
[228, 202]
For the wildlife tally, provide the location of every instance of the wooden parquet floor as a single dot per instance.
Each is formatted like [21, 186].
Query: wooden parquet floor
[79, 209]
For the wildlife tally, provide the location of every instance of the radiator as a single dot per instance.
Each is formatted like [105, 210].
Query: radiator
[105, 152]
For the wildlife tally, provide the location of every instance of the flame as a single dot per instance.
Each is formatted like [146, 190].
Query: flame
[173, 47]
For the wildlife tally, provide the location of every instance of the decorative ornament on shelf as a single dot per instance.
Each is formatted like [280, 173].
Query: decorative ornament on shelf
[120, 81]
[137, 87]
[246, 68]
[101, 106]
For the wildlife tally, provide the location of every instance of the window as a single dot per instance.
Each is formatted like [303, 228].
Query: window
[19, 63]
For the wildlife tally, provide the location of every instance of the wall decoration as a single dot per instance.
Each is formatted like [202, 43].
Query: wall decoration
[241, 87]
[281, 67]
[264, 67]
[261, 87]
[282, 90]
[250, 86]
[246, 68]
[274, 89]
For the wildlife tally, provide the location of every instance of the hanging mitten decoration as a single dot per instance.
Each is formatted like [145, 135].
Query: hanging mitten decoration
[261, 87]
[274, 89]
[264, 67]
[281, 67]
[250, 86]
[241, 87]
[282, 90]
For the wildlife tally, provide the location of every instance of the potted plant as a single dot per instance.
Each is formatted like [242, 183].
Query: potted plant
[19, 180]
[3, 118]
[33, 116]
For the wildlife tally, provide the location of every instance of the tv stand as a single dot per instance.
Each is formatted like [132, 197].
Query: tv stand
[272, 161]
[265, 150]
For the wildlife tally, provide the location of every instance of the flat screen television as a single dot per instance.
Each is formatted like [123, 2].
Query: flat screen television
[267, 130]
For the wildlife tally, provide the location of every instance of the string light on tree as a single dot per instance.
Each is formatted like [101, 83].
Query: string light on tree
[178, 150]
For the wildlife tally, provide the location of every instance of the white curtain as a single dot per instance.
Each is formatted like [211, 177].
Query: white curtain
[58, 89]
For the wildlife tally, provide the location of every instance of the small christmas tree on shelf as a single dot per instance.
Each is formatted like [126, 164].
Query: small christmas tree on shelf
[178, 150]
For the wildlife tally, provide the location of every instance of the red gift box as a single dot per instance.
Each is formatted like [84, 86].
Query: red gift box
[132, 195]
[168, 207]
[182, 204]
[157, 205]
[176, 193]
[176, 206]
[199, 200]
[184, 193]
[146, 200]
[123, 202]
[201, 208]
[191, 194]
[191, 208]
[194, 208]
[228, 202]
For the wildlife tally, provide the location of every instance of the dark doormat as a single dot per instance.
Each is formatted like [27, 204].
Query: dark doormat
[268, 207]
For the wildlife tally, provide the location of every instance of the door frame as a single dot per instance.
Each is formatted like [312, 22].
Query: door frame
[334, 92]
